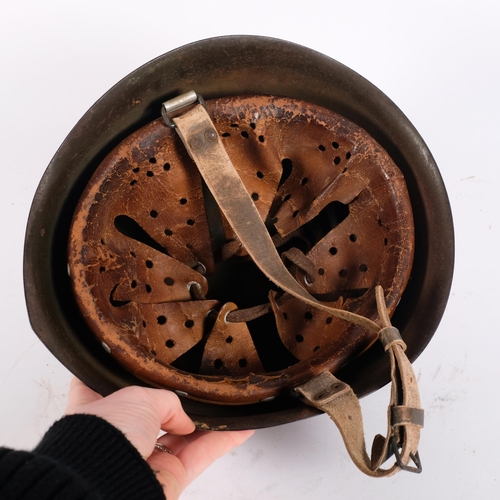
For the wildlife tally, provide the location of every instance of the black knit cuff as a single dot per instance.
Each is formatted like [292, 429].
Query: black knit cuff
[102, 456]
[26, 476]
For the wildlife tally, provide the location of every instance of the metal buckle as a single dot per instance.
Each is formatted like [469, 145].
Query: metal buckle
[178, 103]
[415, 457]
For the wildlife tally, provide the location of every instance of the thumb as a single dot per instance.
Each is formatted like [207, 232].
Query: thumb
[79, 394]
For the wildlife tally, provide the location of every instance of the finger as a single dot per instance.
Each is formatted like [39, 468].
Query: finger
[79, 394]
[191, 455]
[176, 443]
[208, 446]
[170, 473]
[173, 418]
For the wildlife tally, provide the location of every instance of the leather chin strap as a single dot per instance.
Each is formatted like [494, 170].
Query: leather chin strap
[405, 417]
[325, 391]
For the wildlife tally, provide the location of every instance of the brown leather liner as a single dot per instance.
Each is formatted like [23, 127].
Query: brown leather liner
[140, 233]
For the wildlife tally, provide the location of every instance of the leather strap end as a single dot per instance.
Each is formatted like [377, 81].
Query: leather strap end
[322, 389]
[379, 451]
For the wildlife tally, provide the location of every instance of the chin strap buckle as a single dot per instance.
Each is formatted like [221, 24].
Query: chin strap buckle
[394, 447]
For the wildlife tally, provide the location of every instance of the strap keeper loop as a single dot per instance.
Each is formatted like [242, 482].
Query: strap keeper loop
[389, 336]
[407, 415]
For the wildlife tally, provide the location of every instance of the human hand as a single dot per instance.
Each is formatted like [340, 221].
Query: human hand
[140, 413]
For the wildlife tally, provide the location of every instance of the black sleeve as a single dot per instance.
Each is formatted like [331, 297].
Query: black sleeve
[81, 457]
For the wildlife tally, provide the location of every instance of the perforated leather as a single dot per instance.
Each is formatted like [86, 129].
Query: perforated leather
[157, 270]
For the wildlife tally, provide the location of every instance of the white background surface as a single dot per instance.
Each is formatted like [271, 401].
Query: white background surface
[437, 60]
